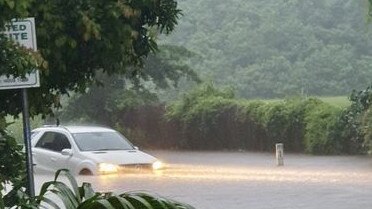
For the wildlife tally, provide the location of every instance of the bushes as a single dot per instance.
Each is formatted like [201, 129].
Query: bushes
[218, 121]
[211, 119]
[321, 122]
[367, 131]
[12, 163]
[200, 114]
[303, 125]
[359, 118]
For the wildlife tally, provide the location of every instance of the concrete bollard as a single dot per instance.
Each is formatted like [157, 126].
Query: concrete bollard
[279, 154]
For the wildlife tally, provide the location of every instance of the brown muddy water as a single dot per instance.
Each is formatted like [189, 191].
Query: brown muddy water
[244, 180]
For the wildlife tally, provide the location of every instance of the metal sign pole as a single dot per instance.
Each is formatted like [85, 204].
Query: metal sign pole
[27, 140]
[23, 32]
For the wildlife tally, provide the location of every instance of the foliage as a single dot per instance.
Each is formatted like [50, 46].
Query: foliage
[101, 104]
[356, 119]
[79, 38]
[198, 112]
[320, 124]
[202, 94]
[208, 118]
[212, 119]
[366, 129]
[339, 101]
[76, 40]
[15, 127]
[13, 9]
[55, 192]
[16, 60]
[12, 163]
[272, 49]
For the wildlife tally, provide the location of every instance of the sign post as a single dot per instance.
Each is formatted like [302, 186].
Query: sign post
[279, 147]
[27, 141]
[23, 32]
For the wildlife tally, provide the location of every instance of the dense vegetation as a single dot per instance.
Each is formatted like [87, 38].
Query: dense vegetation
[266, 49]
[208, 118]
[261, 49]
[77, 40]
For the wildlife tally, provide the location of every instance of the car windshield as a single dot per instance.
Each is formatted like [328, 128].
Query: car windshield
[99, 141]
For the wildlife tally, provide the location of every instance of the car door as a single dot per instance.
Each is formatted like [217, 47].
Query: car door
[47, 154]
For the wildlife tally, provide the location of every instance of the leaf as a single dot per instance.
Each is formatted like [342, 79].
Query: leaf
[1, 202]
[65, 199]
[105, 203]
[88, 203]
[125, 203]
[72, 181]
[61, 190]
[67, 192]
[137, 200]
[10, 3]
[60, 41]
[86, 191]
[50, 202]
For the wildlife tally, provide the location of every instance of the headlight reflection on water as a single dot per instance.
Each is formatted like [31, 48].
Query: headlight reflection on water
[266, 174]
[105, 168]
[157, 165]
[215, 173]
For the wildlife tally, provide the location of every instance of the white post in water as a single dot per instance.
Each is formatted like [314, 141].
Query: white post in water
[279, 154]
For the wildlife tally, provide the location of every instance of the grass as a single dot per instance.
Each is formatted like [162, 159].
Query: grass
[16, 127]
[340, 101]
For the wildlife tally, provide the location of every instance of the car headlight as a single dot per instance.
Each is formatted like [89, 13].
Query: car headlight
[107, 168]
[157, 165]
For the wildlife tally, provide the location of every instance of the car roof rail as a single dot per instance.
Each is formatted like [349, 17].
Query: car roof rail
[55, 126]
[49, 125]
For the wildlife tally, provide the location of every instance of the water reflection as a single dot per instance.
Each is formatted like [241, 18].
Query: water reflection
[216, 173]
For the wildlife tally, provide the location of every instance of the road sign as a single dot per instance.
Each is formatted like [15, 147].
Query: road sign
[23, 32]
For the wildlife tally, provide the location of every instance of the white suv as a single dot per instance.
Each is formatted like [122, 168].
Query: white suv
[86, 150]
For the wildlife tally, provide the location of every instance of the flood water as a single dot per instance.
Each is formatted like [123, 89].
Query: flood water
[243, 180]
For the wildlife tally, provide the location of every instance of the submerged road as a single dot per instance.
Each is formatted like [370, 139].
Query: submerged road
[243, 180]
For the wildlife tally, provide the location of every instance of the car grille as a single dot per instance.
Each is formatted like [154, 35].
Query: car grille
[135, 167]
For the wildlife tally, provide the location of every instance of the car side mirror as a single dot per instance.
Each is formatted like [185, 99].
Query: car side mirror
[136, 148]
[66, 152]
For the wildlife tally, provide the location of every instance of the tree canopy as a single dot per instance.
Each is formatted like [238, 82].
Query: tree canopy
[279, 48]
[78, 38]
[102, 105]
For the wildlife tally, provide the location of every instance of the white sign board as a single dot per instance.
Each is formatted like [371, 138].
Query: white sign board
[23, 32]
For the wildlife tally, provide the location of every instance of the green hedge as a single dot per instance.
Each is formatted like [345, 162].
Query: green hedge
[303, 125]
[211, 119]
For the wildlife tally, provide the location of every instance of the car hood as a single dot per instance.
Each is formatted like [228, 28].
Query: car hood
[120, 157]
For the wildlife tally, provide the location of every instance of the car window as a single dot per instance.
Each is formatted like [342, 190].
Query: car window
[53, 141]
[98, 141]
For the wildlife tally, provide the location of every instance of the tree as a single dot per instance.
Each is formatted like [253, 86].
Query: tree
[103, 104]
[76, 39]
[241, 37]
[79, 38]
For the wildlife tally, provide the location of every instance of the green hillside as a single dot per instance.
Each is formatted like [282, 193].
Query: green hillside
[278, 48]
